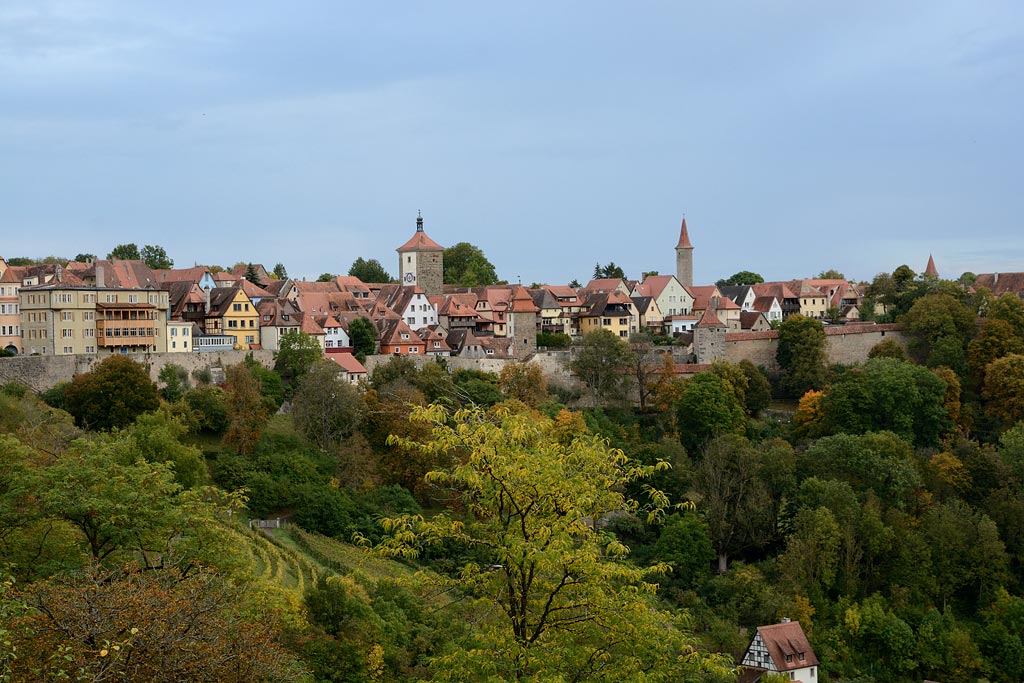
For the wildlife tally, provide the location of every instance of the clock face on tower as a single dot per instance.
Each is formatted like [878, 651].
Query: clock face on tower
[410, 278]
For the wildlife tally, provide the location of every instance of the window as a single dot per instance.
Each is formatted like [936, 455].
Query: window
[236, 307]
[68, 349]
[90, 349]
[232, 323]
[174, 331]
[67, 333]
[800, 656]
[91, 332]
[133, 298]
[405, 335]
[606, 321]
[249, 339]
[184, 333]
[67, 315]
[414, 349]
[89, 315]
[252, 323]
[437, 345]
[247, 307]
[174, 344]
[789, 658]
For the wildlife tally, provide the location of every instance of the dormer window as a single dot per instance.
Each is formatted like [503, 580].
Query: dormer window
[789, 659]
[405, 335]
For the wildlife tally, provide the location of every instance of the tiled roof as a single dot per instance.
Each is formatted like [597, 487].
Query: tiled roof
[1001, 283]
[684, 237]
[348, 363]
[709, 319]
[607, 284]
[784, 639]
[930, 270]
[420, 242]
[654, 285]
[194, 274]
[522, 302]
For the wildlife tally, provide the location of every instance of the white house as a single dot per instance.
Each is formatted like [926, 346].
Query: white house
[782, 648]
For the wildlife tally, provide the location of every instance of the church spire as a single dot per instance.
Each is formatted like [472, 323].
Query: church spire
[419, 221]
[684, 237]
[930, 270]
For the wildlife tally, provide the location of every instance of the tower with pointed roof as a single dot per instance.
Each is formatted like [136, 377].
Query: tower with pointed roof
[684, 257]
[522, 317]
[709, 335]
[930, 270]
[421, 262]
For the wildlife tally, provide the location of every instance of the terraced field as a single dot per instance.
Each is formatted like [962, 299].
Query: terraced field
[293, 559]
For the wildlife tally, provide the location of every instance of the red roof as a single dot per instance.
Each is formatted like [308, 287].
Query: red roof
[419, 241]
[709, 319]
[788, 639]
[930, 270]
[684, 237]
[522, 302]
[348, 363]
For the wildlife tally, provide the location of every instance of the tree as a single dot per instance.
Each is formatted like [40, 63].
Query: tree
[326, 277]
[744, 277]
[685, 544]
[156, 258]
[1004, 389]
[465, 265]
[1010, 309]
[245, 410]
[887, 394]
[363, 335]
[128, 624]
[995, 340]
[326, 407]
[83, 258]
[524, 382]
[252, 275]
[759, 390]
[801, 354]
[280, 272]
[369, 271]
[127, 252]
[210, 404]
[812, 552]
[733, 497]
[112, 395]
[708, 407]
[297, 353]
[831, 274]
[608, 271]
[575, 284]
[555, 599]
[889, 348]
[602, 363]
[934, 317]
[175, 379]
[647, 367]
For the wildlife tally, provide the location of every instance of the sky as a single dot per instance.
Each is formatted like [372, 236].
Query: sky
[794, 136]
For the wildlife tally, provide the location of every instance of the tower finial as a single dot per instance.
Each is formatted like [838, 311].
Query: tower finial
[419, 221]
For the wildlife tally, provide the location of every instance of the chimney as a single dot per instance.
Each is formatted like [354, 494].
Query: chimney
[206, 290]
[60, 273]
[784, 620]
[995, 280]
[100, 280]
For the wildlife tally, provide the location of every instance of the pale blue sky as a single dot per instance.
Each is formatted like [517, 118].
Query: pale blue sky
[796, 136]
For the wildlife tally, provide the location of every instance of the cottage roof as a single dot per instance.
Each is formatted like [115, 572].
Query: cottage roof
[763, 304]
[784, 639]
[221, 299]
[748, 319]
[1001, 283]
[194, 274]
[606, 284]
[522, 302]
[654, 285]
[710, 319]
[348, 363]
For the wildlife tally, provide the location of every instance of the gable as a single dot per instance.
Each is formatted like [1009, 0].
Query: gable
[757, 655]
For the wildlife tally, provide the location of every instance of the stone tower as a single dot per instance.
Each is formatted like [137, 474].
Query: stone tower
[684, 257]
[421, 262]
[522, 316]
[709, 336]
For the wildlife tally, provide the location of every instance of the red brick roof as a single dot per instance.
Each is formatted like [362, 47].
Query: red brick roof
[930, 270]
[709, 319]
[522, 302]
[789, 639]
[420, 242]
[684, 237]
[348, 363]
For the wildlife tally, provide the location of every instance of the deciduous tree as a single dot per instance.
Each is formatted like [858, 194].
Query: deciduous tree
[363, 335]
[1004, 389]
[466, 265]
[369, 271]
[524, 382]
[156, 257]
[326, 407]
[556, 598]
[113, 394]
[801, 354]
[128, 252]
[297, 353]
[245, 410]
[744, 277]
[602, 363]
[708, 407]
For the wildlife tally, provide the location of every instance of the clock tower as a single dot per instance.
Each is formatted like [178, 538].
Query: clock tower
[421, 262]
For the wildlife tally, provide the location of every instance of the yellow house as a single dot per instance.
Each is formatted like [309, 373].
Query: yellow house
[813, 301]
[179, 336]
[231, 312]
[63, 319]
[612, 311]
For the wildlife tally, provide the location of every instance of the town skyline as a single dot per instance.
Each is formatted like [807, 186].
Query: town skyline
[793, 138]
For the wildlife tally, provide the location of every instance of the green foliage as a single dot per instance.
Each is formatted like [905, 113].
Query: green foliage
[112, 395]
[211, 406]
[886, 394]
[1004, 389]
[280, 272]
[601, 363]
[246, 410]
[128, 252]
[369, 271]
[759, 390]
[684, 543]
[252, 275]
[801, 355]
[539, 563]
[707, 407]
[744, 277]
[880, 462]
[608, 271]
[326, 407]
[326, 277]
[831, 274]
[81, 258]
[553, 340]
[934, 317]
[465, 265]
[176, 383]
[995, 340]
[157, 438]
[156, 257]
[55, 395]
[363, 336]
[1010, 309]
[888, 348]
[297, 353]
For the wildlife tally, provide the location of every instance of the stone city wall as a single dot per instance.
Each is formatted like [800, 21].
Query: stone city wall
[42, 372]
[845, 344]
